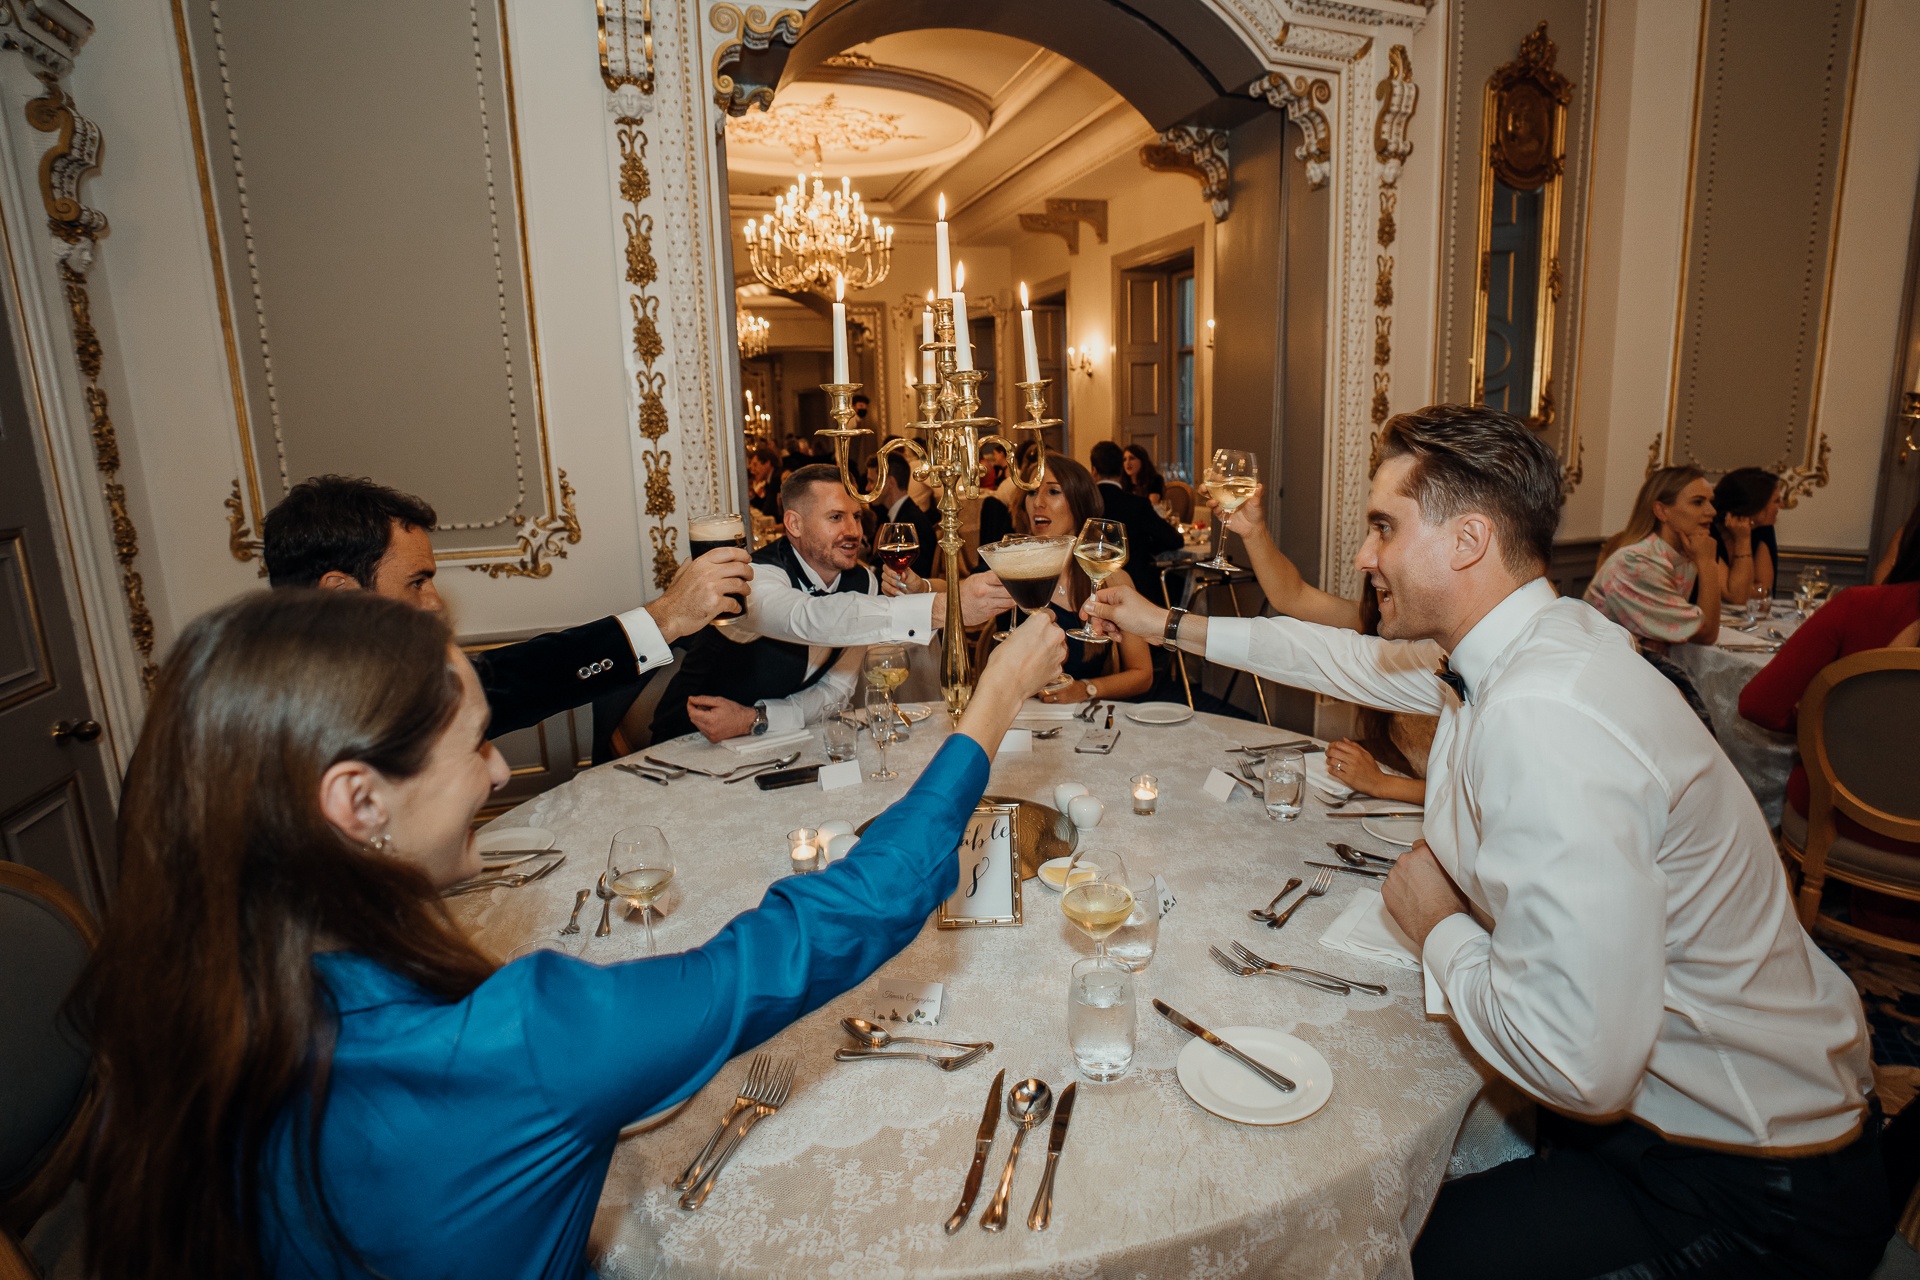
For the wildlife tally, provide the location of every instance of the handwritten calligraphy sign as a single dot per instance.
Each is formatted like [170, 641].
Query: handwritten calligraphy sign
[989, 889]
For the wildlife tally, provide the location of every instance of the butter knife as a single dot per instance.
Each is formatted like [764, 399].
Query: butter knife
[1193, 1028]
[1380, 813]
[1043, 1200]
[1368, 872]
[982, 1143]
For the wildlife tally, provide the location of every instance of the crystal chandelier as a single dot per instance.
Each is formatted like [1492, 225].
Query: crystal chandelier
[753, 335]
[812, 239]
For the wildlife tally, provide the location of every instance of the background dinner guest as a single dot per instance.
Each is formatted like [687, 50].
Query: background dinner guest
[1909, 533]
[1147, 534]
[1066, 499]
[1853, 621]
[1142, 476]
[309, 1070]
[1397, 739]
[1650, 569]
[1597, 896]
[1754, 494]
[763, 478]
[896, 506]
[343, 533]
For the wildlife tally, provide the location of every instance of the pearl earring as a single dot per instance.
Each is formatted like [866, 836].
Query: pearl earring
[380, 843]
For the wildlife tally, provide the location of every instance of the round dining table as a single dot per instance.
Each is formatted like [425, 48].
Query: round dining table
[857, 1172]
[1763, 757]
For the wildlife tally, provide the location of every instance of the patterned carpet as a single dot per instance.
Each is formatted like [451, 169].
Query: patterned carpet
[1889, 985]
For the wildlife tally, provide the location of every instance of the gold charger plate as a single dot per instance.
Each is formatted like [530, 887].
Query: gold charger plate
[1040, 832]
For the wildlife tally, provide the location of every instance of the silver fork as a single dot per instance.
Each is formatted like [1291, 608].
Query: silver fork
[514, 881]
[1240, 969]
[776, 1097]
[1318, 889]
[759, 1073]
[1288, 970]
[966, 1059]
[573, 921]
[638, 772]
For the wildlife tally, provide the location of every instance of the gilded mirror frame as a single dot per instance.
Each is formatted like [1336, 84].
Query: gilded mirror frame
[1523, 150]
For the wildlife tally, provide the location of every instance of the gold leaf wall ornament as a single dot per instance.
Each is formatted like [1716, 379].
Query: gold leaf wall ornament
[642, 270]
[1383, 340]
[635, 184]
[653, 406]
[1389, 200]
[1653, 456]
[666, 560]
[1383, 281]
[646, 329]
[619, 49]
[1302, 99]
[1796, 482]
[659, 464]
[540, 537]
[75, 151]
[240, 540]
[736, 88]
[1382, 380]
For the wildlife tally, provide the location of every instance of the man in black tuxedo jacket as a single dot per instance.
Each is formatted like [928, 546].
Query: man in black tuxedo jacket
[1147, 533]
[899, 508]
[337, 532]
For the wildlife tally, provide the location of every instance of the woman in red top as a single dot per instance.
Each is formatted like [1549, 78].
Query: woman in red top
[1855, 620]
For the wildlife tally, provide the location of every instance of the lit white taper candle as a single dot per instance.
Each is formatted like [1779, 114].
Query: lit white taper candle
[942, 254]
[840, 331]
[927, 373]
[962, 344]
[1026, 332]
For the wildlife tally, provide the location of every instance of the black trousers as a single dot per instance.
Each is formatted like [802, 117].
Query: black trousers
[1618, 1201]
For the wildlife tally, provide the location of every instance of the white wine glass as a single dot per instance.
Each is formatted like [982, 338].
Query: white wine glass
[640, 866]
[880, 728]
[1097, 899]
[1231, 480]
[1100, 550]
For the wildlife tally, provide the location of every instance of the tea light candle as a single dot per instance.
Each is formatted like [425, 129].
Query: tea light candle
[1146, 792]
[803, 850]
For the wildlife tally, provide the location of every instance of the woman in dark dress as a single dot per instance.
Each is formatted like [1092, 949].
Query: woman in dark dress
[1755, 495]
[1066, 499]
[1142, 474]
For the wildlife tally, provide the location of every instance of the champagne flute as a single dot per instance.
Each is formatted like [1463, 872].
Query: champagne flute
[897, 546]
[1231, 480]
[880, 728]
[640, 866]
[1098, 900]
[1102, 548]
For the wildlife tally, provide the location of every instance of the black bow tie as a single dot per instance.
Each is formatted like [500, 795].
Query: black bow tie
[1451, 680]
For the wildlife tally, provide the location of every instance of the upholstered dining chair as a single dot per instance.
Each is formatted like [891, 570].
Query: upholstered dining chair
[1856, 741]
[46, 938]
[1179, 500]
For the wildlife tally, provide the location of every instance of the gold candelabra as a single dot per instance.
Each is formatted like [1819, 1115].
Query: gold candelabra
[949, 418]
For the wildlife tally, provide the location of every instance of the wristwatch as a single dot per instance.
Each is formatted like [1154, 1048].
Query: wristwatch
[1093, 694]
[759, 719]
[1171, 638]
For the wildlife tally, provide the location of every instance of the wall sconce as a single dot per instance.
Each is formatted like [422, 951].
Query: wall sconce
[1081, 362]
[1910, 415]
[1209, 335]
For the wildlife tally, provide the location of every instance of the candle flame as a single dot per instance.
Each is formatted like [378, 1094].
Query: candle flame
[1024, 304]
[959, 277]
[943, 206]
[840, 289]
[929, 297]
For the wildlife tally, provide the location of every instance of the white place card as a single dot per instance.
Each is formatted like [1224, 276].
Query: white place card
[1219, 785]
[846, 773]
[1016, 741]
[904, 1002]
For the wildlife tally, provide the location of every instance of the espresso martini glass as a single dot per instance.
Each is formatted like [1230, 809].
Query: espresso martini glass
[1030, 568]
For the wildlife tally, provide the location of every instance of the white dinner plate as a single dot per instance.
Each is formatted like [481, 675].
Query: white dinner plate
[498, 840]
[654, 1119]
[915, 712]
[1158, 712]
[1053, 868]
[1219, 1084]
[1400, 831]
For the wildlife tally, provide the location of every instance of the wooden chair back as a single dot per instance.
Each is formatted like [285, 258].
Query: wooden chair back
[1179, 500]
[1857, 720]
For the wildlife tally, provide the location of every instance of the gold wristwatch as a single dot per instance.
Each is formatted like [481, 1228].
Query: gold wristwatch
[1093, 694]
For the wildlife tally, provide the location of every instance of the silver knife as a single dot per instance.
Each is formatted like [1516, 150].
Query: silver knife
[1368, 872]
[982, 1143]
[1191, 1027]
[1043, 1200]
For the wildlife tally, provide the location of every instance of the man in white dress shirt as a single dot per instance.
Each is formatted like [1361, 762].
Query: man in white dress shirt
[1597, 895]
[794, 657]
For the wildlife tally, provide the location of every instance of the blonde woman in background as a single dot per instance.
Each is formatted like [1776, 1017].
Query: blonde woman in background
[1658, 577]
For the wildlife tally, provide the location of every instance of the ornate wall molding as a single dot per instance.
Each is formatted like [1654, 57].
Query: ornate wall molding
[1063, 219]
[1202, 155]
[1302, 100]
[642, 272]
[618, 67]
[48, 32]
[1398, 97]
[74, 152]
[736, 88]
[540, 538]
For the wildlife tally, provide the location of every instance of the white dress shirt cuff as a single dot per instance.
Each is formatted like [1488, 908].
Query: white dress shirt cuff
[1228, 642]
[913, 618]
[1457, 940]
[650, 648]
[783, 716]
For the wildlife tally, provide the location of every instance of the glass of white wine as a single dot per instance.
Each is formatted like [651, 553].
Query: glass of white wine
[1231, 480]
[1098, 900]
[1101, 549]
[640, 866]
[880, 727]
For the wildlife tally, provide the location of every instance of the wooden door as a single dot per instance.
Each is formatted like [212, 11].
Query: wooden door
[1143, 366]
[1049, 340]
[56, 808]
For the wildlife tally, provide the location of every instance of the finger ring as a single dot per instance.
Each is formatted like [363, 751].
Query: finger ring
[1339, 768]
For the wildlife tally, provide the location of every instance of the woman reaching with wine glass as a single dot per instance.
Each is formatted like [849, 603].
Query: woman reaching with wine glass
[307, 1067]
[1066, 499]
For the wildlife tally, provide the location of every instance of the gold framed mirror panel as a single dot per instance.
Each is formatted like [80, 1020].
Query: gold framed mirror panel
[1523, 162]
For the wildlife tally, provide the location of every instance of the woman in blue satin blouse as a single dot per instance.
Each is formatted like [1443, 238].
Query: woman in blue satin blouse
[308, 1070]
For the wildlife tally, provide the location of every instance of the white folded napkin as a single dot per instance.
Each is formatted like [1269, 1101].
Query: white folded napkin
[748, 744]
[1321, 779]
[1364, 928]
[1034, 709]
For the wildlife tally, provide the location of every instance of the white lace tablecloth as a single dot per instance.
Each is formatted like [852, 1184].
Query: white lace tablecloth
[1763, 757]
[856, 1174]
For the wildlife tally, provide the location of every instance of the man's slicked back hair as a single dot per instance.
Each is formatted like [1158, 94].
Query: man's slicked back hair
[335, 524]
[794, 489]
[1472, 458]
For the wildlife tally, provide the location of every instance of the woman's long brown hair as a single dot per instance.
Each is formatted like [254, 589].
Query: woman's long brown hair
[207, 1019]
[1664, 487]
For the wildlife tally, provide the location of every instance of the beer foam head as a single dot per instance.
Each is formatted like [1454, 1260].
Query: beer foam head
[716, 528]
[1037, 559]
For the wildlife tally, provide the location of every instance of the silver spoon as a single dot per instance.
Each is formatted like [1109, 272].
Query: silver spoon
[606, 906]
[573, 921]
[1028, 1103]
[874, 1037]
[1044, 734]
[1357, 857]
[1292, 884]
[749, 771]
